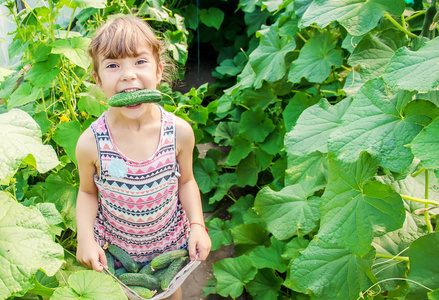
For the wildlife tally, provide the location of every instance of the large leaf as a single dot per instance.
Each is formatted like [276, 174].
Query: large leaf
[425, 145]
[314, 126]
[26, 245]
[375, 50]
[415, 70]
[212, 17]
[354, 209]
[74, 49]
[331, 272]
[316, 60]
[218, 233]
[42, 74]
[90, 285]
[67, 135]
[291, 211]
[252, 119]
[424, 263]
[376, 122]
[63, 192]
[357, 16]
[205, 174]
[20, 136]
[268, 59]
[269, 257]
[24, 94]
[232, 274]
[302, 167]
[90, 3]
[265, 286]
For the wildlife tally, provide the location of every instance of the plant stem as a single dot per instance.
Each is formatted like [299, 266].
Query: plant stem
[418, 172]
[301, 36]
[425, 201]
[426, 215]
[393, 21]
[402, 258]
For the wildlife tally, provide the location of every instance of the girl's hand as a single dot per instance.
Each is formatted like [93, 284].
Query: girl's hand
[199, 240]
[90, 255]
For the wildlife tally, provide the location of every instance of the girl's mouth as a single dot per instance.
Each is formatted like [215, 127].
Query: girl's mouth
[134, 106]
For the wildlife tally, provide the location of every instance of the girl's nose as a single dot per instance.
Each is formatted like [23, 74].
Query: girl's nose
[128, 74]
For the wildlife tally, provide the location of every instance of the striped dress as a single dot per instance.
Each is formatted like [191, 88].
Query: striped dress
[139, 208]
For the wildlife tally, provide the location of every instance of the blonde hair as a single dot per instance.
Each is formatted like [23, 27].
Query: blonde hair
[120, 37]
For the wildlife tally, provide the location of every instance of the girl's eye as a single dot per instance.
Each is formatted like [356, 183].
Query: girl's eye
[141, 61]
[111, 66]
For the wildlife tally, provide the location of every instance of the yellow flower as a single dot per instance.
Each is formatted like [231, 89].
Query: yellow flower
[64, 118]
[83, 113]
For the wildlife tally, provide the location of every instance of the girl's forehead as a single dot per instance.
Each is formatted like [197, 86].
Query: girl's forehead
[124, 52]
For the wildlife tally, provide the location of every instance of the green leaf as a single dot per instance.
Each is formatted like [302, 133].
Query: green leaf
[269, 257]
[63, 192]
[247, 171]
[434, 295]
[242, 210]
[43, 74]
[91, 101]
[301, 167]
[322, 263]
[354, 209]
[295, 107]
[314, 126]
[353, 83]
[251, 235]
[44, 285]
[26, 246]
[357, 16]
[424, 263]
[291, 211]
[82, 4]
[212, 17]
[74, 49]
[392, 245]
[294, 247]
[224, 133]
[83, 285]
[255, 118]
[386, 43]
[50, 213]
[240, 149]
[268, 59]
[415, 70]
[232, 274]
[67, 135]
[375, 122]
[219, 234]
[206, 175]
[23, 95]
[316, 59]
[425, 145]
[265, 286]
[21, 136]
[225, 182]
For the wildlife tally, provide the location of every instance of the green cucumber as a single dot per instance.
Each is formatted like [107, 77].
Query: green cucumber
[125, 259]
[120, 271]
[163, 260]
[173, 270]
[142, 291]
[110, 262]
[144, 280]
[146, 269]
[133, 98]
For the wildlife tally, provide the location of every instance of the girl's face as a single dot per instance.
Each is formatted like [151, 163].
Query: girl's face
[128, 74]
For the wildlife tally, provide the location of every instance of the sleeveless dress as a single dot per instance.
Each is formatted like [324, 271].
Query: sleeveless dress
[139, 209]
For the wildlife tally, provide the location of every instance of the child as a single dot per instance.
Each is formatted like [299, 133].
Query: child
[137, 188]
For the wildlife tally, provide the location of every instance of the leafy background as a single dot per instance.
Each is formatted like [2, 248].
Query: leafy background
[324, 117]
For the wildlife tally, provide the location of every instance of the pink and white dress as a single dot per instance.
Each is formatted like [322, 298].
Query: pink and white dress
[139, 208]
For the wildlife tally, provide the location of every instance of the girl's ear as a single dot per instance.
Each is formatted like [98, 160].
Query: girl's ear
[97, 79]
[159, 72]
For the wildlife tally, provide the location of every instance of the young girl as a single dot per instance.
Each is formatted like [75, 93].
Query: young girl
[137, 188]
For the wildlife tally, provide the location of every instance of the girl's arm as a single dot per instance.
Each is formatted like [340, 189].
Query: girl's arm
[89, 253]
[189, 193]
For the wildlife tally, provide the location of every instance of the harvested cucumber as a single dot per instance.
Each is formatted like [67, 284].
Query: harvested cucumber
[142, 291]
[136, 97]
[125, 259]
[144, 280]
[173, 270]
[163, 260]
[110, 261]
[120, 271]
[146, 269]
